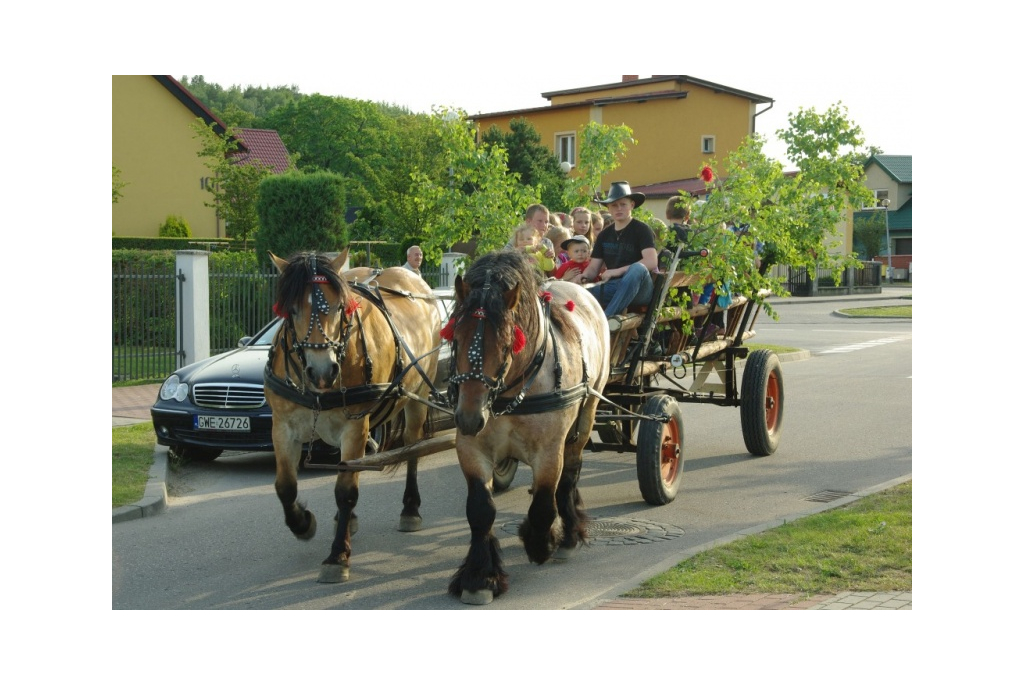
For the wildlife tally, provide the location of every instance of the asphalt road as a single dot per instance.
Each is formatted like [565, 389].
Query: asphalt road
[222, 543]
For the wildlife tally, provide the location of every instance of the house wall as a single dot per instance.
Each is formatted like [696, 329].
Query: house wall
[668, 131]
[154, 149]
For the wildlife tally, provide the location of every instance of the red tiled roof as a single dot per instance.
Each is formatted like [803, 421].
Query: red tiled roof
[691, 186]
[264, 145]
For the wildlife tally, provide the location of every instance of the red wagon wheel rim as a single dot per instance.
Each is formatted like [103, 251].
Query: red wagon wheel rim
[670, 452]
[771, 402]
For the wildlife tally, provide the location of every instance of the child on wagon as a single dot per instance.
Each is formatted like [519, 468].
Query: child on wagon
[578, 249]
[528, 241]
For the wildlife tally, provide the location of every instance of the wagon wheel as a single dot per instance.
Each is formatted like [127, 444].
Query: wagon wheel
[659, 451]
[761, 403]
[504, 473]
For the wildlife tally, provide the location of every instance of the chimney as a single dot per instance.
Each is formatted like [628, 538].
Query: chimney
[626, 79]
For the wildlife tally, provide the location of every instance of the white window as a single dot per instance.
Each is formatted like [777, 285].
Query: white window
[707, 144]
[882, 194]
[565, 147]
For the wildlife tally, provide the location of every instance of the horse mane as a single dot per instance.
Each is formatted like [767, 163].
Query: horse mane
[294, 281]
[507, 268]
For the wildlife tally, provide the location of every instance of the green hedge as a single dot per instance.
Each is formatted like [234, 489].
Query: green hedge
[141, 243]
[301, 212]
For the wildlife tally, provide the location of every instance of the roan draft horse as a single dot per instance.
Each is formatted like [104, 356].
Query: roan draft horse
[343, 362]
[530, 360]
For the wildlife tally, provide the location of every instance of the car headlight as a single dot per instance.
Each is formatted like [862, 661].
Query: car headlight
[174, 389]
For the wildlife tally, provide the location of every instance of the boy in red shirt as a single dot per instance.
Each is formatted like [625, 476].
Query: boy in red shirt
[578, 249]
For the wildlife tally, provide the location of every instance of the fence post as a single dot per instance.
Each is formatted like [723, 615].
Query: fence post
[449, 267]
[193, 307]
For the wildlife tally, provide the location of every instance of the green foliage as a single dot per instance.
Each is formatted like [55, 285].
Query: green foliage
[150, 243]
[237, 106]
[118, 184]
[869, 232]
[175, 226]
[300, 212]
[534, 163]
[235, 188]
[476, 198]
[795, 218]
[600, 149]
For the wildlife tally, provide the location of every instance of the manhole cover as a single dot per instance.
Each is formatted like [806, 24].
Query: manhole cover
[617, 531]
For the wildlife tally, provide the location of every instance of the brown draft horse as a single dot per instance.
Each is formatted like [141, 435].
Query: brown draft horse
[338, 367]
[529, 358]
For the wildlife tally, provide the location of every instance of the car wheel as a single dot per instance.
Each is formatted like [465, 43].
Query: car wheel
[191, 453]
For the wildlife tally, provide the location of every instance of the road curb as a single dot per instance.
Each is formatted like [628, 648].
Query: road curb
[154, 499]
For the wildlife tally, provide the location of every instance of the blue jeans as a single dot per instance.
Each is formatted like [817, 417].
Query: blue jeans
[634, 287]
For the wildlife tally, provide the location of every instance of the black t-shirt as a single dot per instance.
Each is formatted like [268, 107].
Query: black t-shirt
[622, 248]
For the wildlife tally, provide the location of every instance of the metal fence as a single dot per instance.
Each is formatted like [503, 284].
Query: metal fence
[800, 282]
[240, 304]
[144, 325]
[146, 345]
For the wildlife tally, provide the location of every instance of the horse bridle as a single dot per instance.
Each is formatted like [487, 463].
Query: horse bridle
[495, 385]
[321, 306]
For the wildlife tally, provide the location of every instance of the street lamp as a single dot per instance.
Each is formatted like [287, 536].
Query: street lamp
[566, 167]
[888, 245]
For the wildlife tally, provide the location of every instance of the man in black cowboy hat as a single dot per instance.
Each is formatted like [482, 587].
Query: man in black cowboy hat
[627, 251]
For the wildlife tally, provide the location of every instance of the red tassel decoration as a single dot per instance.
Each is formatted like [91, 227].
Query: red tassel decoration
[351, 308]
[518, 340]
[545, 296]
[278, 313]
[448, 331]
[570, 305]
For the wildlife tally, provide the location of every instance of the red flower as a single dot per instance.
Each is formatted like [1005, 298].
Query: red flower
[707, 174]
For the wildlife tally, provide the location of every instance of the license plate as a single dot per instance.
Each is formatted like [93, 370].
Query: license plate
[222, 423]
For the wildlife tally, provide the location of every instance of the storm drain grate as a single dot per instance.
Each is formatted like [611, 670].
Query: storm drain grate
[618, 531]
[828, 496]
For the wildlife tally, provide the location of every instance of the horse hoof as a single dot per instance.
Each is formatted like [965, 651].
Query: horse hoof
[333, 573]
[410, 524]
[477, 597]
[311, 530]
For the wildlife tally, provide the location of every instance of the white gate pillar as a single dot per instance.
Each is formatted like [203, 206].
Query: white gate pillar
[192, 308]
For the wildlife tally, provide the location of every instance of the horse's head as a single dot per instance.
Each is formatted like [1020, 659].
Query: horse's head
[317, 306]
[494, 317]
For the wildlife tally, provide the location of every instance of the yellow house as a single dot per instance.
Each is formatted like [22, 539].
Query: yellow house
[678, 122]
[154, 149]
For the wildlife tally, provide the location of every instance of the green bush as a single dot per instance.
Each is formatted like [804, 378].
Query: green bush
[175, 226]
[148, 243]
[301, 212]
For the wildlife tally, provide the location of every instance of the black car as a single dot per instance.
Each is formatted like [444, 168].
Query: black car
[217, 404]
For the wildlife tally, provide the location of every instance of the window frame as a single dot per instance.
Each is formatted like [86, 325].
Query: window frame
[565, 136]
[707, 145]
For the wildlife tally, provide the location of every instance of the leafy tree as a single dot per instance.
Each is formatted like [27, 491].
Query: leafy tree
[533, 162]
[869, 232]
[793, 217]
[238, 107]
[235, 187]
[476, 197]
[600, 149]
[118, 184]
